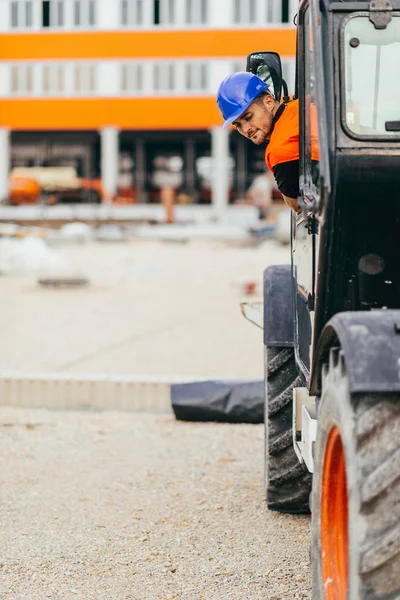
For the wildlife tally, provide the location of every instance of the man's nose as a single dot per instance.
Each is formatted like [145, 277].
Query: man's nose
[246, 127]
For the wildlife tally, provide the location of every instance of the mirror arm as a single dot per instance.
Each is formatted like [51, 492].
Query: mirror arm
[286, 97]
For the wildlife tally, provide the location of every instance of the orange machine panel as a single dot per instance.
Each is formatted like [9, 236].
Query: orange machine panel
[124, 113]
[148, 44]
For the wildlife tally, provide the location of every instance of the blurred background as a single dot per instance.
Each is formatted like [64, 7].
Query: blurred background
[117, 97]
[131, 224]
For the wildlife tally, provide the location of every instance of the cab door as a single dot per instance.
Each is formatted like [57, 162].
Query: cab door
[305, 224]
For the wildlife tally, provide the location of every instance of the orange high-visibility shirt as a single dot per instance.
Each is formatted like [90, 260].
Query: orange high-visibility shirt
[283, 146]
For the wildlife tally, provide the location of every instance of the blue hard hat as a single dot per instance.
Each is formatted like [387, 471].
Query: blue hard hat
[236, 93]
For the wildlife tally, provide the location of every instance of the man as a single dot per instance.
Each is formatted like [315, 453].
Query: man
[245, 102]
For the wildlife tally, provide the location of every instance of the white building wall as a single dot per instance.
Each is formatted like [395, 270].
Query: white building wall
[219, 69]
[5, 16]
[108, 78]
[293, 9]
[108, 14]
[5, 80]
[220, 13]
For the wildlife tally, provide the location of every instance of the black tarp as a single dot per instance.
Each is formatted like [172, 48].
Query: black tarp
[224, 401]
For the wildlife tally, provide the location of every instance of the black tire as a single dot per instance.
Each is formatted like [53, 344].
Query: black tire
[369, 427]
[287, 481]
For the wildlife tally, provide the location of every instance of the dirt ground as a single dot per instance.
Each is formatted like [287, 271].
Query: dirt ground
[136, 506]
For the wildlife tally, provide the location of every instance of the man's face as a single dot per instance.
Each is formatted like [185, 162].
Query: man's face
[256, 122]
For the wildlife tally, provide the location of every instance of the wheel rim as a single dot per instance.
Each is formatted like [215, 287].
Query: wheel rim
[334, 520]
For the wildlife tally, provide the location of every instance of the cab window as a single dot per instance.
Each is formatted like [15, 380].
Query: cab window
[372, 84]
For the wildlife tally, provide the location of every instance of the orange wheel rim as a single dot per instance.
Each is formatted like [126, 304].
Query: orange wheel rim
[334, 520]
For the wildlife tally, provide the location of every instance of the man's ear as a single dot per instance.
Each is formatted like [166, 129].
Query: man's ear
[269, 102]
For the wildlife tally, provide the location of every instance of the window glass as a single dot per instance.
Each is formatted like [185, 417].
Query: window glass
[91, 78]
[204, 77]
[244, 11]
[372, 84]
[29, 78]
[139, 12]
[203, 12]
[78, 78]
[196, 12]
[46, 13]
[124, 13]
[14, 79]
[132, 77]
[14, 14]
[236, 11]
[252, 11]
[171, 12]
[311, 164]
[189, 11]
[21, 13]
[196, 76]
[46, 79]
[92, 13]
[57, 13]
[29, 14]
[60, 79]
[77, 12]
[132, 12]
[164, 77]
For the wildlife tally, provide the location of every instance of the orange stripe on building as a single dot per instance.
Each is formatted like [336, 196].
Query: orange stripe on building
[146, 44]
[124, 113]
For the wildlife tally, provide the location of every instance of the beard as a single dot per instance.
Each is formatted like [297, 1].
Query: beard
[261, 133]
[259, 137]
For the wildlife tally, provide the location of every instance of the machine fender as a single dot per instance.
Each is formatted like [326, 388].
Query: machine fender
[370, 342]
[278, 306]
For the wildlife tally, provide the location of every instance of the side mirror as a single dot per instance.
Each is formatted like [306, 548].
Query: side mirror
[268, 67]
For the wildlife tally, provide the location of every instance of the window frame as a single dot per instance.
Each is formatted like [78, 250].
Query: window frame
[342, 54]
[19, 9]
[84, 7]
[87, 72]
[23, 72]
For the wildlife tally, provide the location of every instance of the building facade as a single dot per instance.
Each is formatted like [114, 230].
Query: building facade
[125, 90]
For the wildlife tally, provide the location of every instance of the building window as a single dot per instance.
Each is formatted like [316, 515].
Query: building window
[84, 13]
[164, 12]
[132, 12]
[53, 79]
[132, 78]
[21, 14]
[84, 79]
[196, 12]
[57, 17]
[196, 77]
[164, 77]
[244, 12]
[21, 79]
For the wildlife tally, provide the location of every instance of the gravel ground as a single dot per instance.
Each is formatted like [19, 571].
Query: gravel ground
[118, 506]
[111, 506]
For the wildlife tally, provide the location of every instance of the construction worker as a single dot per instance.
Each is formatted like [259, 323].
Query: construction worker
[246, 103]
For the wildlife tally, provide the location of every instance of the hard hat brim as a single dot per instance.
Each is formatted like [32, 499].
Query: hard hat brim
[237, 115]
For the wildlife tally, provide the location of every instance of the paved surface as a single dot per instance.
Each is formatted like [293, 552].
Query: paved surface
[152, 308]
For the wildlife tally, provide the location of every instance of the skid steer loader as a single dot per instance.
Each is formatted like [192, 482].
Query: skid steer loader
[332, 318]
